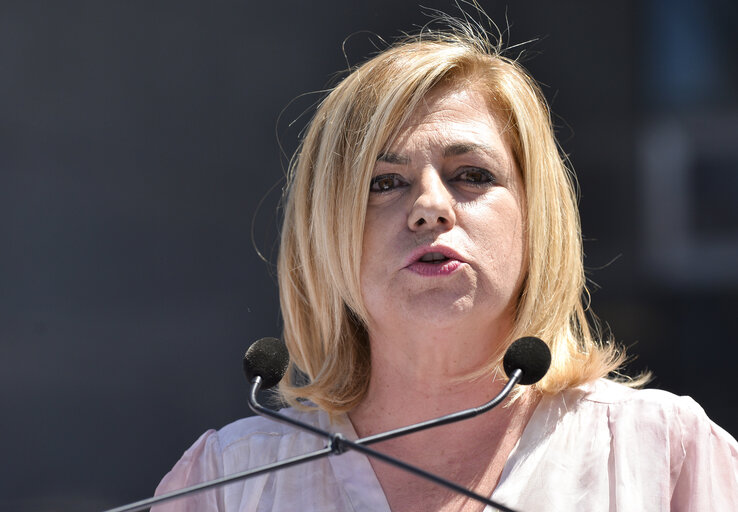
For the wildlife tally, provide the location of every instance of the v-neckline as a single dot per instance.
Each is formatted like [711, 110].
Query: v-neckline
[356, 476]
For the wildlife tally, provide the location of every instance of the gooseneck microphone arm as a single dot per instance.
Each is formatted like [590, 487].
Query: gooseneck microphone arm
[517, 374]
[339, 444]
[255, 406]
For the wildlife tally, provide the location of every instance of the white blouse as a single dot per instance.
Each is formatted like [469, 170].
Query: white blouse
[599, 447]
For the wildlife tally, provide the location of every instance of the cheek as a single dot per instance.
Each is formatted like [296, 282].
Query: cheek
[375, 287]
[502, 238]
[383, 233]
[505, 255]
[373, 255]
[516, 253]
[371, 248]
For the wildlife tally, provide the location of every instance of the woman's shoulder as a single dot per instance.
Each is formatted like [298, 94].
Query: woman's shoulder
[248, 442]
[653, 447]
[620, 398]
[646, 412]
[619, 395]
[261, 431]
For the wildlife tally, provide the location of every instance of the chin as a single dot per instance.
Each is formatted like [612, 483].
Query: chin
[442, 309]
[478, 308]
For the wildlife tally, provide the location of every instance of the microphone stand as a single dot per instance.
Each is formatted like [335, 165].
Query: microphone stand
[338, 444]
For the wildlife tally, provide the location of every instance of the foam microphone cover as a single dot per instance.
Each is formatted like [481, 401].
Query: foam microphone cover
[266, 358]
[529, 354]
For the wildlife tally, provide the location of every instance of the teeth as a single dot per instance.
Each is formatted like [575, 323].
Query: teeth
[432, 256]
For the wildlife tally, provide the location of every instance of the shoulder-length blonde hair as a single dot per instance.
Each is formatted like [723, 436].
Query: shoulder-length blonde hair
[328, 185]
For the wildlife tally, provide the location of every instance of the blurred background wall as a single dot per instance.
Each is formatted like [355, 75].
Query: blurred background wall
[140, 173]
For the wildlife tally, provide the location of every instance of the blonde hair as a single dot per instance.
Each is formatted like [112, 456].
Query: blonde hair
[328, 186]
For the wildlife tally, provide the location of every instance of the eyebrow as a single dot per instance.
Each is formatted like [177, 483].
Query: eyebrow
[455, 149]
[468, 147]
[393, 158]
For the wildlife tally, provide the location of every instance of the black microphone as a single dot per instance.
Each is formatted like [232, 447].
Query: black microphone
[268, 359]
[265, 362]
[531, 355]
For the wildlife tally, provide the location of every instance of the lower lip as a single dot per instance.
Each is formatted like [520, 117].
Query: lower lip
[434, 269]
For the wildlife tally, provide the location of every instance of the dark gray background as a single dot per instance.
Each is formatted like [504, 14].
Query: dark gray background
[138, 139]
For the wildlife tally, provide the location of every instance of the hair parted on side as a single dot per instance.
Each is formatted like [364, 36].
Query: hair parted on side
[326, 199]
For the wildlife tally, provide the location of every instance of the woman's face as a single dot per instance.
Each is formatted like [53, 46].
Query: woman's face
[444, 234]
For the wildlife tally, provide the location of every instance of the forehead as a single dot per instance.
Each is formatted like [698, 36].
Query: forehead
[450, 120]
[450, 115]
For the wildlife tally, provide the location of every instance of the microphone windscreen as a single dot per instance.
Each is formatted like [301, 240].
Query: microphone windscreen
[529, 354]
[266, 358]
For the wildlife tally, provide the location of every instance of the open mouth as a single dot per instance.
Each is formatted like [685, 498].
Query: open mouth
[436, 263]
[434, 258]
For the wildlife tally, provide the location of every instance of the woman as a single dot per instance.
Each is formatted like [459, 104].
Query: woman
[429, 222]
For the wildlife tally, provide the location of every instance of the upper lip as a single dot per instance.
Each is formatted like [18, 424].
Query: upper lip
[426, 249]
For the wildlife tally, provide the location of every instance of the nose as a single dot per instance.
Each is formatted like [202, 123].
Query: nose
[433, 208]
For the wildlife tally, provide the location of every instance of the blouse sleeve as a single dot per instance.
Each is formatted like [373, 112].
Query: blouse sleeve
[200, 463]
[705, 472]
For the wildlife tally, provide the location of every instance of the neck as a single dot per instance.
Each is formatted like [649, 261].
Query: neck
[419, 375]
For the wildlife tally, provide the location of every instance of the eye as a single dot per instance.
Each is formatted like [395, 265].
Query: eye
[386, 183]
[475, 176]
